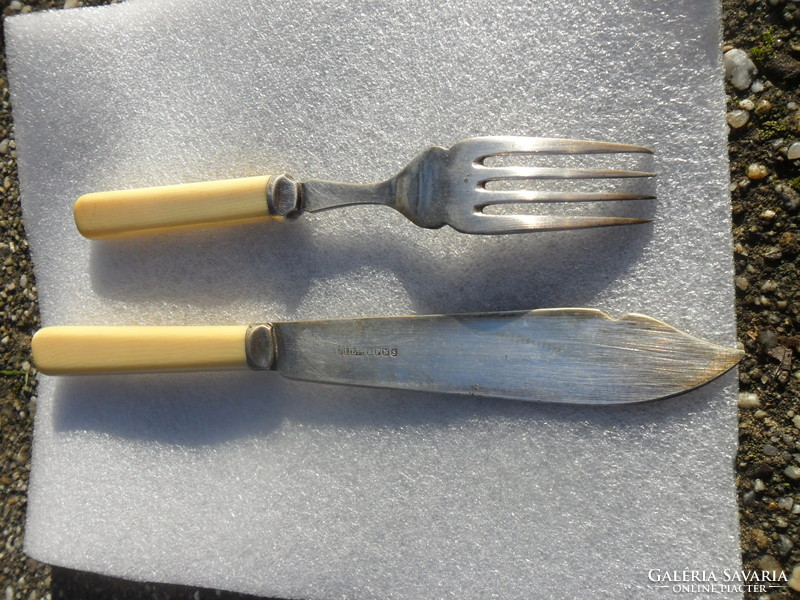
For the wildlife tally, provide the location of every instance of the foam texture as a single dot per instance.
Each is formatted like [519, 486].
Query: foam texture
[253, 483]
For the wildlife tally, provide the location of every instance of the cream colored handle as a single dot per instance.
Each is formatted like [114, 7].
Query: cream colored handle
[123, 213]
[99, 350]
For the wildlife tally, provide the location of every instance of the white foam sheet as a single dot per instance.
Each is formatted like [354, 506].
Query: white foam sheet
[253, 483]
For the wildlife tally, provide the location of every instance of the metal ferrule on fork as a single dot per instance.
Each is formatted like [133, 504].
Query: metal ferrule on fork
[284, 196]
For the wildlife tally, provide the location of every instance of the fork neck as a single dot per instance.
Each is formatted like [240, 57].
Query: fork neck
[320, 195]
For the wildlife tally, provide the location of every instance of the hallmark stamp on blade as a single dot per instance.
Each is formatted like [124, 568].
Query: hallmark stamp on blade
[373, 351]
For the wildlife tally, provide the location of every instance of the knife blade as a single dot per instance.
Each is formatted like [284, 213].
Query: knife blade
[579, 356]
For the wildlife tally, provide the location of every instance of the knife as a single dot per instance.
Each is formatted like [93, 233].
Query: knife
[579, 356]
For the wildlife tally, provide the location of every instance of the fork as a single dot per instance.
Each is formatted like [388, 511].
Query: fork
[439, 187]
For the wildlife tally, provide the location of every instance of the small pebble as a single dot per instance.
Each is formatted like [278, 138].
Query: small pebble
[785, 503]
[763, 107]
[793, 153]
[737, 118]
[796, 421]
[739, 69]
[4, 146]
[768, 214]
[748, 400]
[757, 171]
[767, 337]
[747, 104]
[769, 450]
[761, 539]
[791, 199]
[757, 87]
[759, 414]
[785, 545]
[771, 564]
[758, 486]
[770, 285]
[742, 283]
[792, 472]
[71, 3]
[794, 579]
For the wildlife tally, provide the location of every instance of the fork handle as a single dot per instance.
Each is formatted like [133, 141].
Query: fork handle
[124, 213]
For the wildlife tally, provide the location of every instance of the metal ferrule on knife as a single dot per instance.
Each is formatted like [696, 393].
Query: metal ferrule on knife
[260, 347]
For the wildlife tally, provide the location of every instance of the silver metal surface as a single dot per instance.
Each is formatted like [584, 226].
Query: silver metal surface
[449, 186]
[283, 196]
[554, 355]
[259, 346]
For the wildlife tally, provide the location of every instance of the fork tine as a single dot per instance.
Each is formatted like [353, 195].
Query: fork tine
[480, 223]
[524, 196]
[484, 147]
[495, 173]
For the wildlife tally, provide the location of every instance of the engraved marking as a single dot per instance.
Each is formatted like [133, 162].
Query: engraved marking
[375, 351]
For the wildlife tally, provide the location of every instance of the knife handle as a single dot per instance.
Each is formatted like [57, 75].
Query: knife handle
[125, 213]
[100, 350]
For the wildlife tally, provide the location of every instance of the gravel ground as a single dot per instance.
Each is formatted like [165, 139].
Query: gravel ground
[764, 113]
[765, 186]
